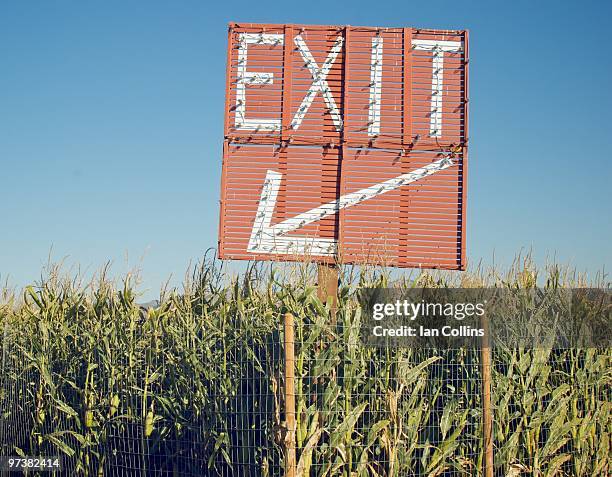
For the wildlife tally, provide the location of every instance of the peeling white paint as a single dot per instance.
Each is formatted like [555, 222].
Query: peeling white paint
[245, 78]
[319, 82]
[438, 47]
[266, 238]
[375, 86]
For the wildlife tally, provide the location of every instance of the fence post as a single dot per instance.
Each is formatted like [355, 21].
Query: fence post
[290, 452]
[487, 416]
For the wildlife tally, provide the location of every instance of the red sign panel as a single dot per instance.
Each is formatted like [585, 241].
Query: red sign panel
[345, 143]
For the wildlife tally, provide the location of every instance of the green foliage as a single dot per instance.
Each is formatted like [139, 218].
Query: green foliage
[196, 383]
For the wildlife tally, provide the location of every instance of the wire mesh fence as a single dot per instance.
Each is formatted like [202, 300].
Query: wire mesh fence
[374, 411]
[117, 390]
[203, 410]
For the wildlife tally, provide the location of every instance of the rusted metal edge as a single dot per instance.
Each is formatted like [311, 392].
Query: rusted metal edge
[228, 68]
[464, 153]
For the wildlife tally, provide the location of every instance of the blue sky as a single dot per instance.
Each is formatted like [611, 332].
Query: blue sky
[111, 127]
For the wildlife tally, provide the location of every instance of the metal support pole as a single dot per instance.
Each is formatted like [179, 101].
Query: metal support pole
[487, 416]
[290, 454]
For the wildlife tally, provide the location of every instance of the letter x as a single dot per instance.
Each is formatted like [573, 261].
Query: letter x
[319, 82]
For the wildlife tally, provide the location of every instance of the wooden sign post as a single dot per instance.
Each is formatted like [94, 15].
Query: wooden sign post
[327, 283]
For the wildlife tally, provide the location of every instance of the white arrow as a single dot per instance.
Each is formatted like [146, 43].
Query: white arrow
[266, 238]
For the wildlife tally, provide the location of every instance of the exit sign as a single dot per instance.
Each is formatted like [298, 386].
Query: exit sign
[345, 144]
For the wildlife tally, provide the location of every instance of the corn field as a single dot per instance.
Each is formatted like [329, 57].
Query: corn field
[193, 385]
